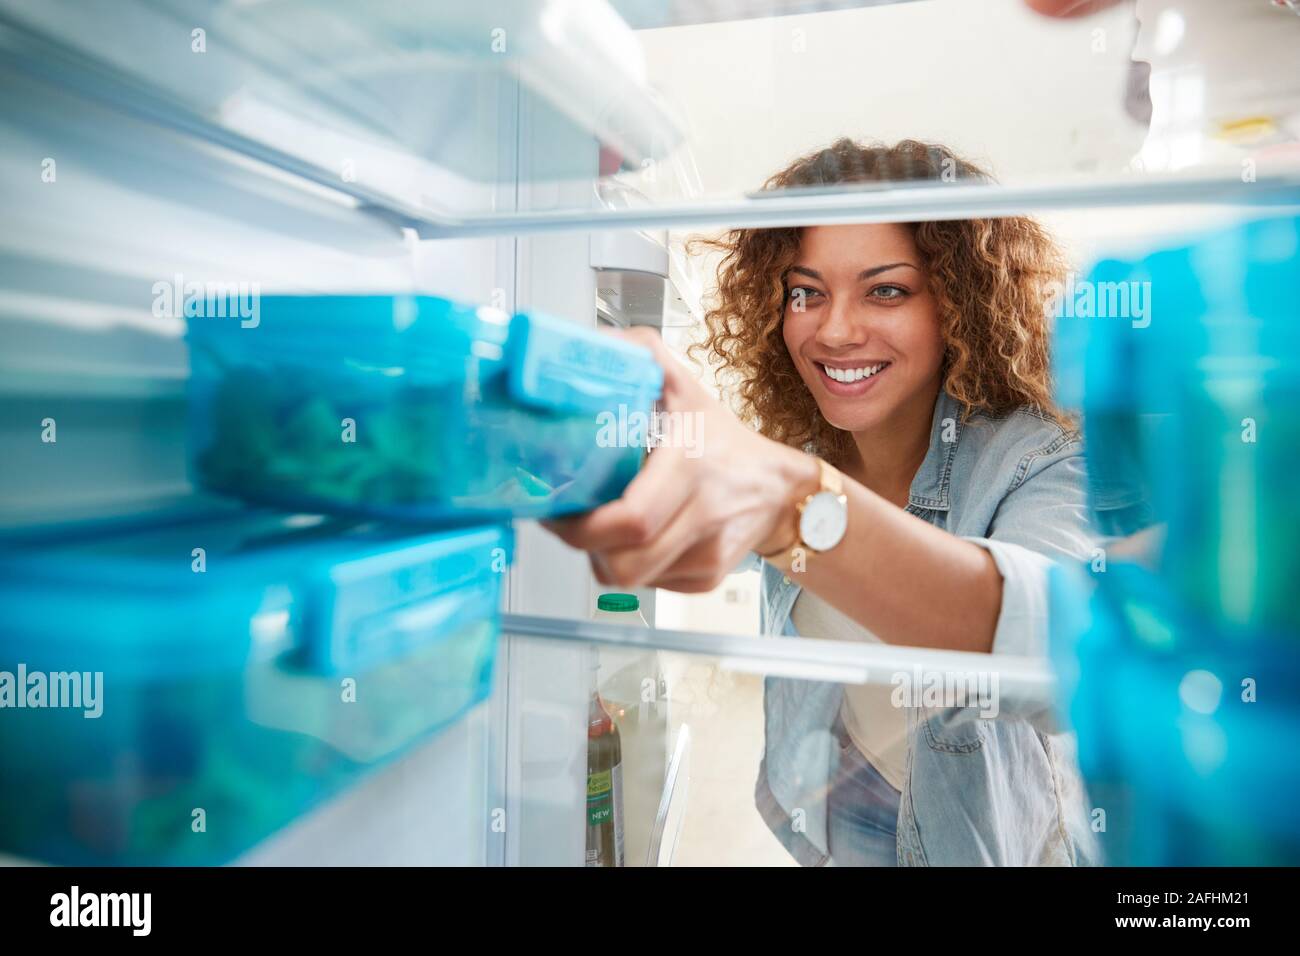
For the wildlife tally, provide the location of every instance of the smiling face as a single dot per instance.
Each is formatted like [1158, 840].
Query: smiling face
[862, 326]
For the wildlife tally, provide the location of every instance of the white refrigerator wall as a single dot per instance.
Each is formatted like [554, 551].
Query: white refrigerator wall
[548, 684]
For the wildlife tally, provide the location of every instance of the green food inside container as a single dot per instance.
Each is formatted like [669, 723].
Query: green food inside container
[378, 441]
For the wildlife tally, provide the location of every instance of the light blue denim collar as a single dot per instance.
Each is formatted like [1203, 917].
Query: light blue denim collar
[930, 486]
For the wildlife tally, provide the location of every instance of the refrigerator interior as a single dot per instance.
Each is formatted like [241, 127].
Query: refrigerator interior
[547, 157]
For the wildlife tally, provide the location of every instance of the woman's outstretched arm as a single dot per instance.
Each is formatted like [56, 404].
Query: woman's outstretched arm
[717, 490]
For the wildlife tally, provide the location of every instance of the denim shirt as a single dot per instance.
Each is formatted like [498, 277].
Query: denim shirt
[978, 791]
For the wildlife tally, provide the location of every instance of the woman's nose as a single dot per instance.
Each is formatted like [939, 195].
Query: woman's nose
[840, 328]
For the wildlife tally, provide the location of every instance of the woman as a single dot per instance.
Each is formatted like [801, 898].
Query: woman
[908, 481]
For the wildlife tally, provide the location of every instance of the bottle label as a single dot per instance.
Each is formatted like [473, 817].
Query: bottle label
[600, 798]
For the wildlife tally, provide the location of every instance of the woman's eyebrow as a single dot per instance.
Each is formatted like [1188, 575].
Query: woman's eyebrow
[864, 274]
[868, 273]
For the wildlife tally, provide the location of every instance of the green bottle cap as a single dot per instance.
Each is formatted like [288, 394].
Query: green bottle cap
[618, 602]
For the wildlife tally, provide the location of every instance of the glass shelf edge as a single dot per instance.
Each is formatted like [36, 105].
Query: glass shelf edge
[901, 205]
[1021, 679]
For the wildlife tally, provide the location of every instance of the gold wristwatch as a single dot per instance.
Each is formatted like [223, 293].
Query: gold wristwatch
[823, 516]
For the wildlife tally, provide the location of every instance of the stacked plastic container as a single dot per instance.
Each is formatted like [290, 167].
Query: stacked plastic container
[1182, 668]
[206, 682]
[415, 408]
[181, 689]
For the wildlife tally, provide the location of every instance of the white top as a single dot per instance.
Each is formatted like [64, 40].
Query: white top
[874, 724]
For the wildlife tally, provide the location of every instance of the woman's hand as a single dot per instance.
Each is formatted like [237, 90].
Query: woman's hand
[710, 492]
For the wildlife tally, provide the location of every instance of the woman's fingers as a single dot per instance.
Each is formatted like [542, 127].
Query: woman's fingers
[663, 526]
[650, 502]
[630, 567]
[699, 569]
[693, 546]
[686, 585]
[703, 566]
[656, 494]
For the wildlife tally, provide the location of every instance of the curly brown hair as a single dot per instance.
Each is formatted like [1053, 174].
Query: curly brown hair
[990, 278]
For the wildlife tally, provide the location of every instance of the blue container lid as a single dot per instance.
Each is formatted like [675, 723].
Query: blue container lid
[209, 594]
[564, 367]
[376, 332]
[554, 365]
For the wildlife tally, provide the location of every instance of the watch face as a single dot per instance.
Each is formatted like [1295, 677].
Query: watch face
[823, 522]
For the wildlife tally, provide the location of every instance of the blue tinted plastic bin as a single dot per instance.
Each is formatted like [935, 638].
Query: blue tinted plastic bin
[1192, 417]
[1181, 727]
[415, 408]
[1181, 678]
[250, 668]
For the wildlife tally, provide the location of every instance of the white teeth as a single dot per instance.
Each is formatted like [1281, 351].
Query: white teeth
[848, 375]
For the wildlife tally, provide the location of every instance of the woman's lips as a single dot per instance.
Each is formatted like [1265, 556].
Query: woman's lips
[849, 389]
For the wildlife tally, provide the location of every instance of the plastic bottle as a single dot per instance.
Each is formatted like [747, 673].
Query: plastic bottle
[604, 808]
[633, 688]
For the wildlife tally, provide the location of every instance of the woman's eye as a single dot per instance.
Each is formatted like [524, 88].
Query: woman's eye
[888, 292]
[801, 294]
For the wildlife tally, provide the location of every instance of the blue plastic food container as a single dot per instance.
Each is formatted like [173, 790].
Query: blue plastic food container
[1191, 415]
[1179, 746]
[1180, 678]
[218, 677]
[414, 408]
